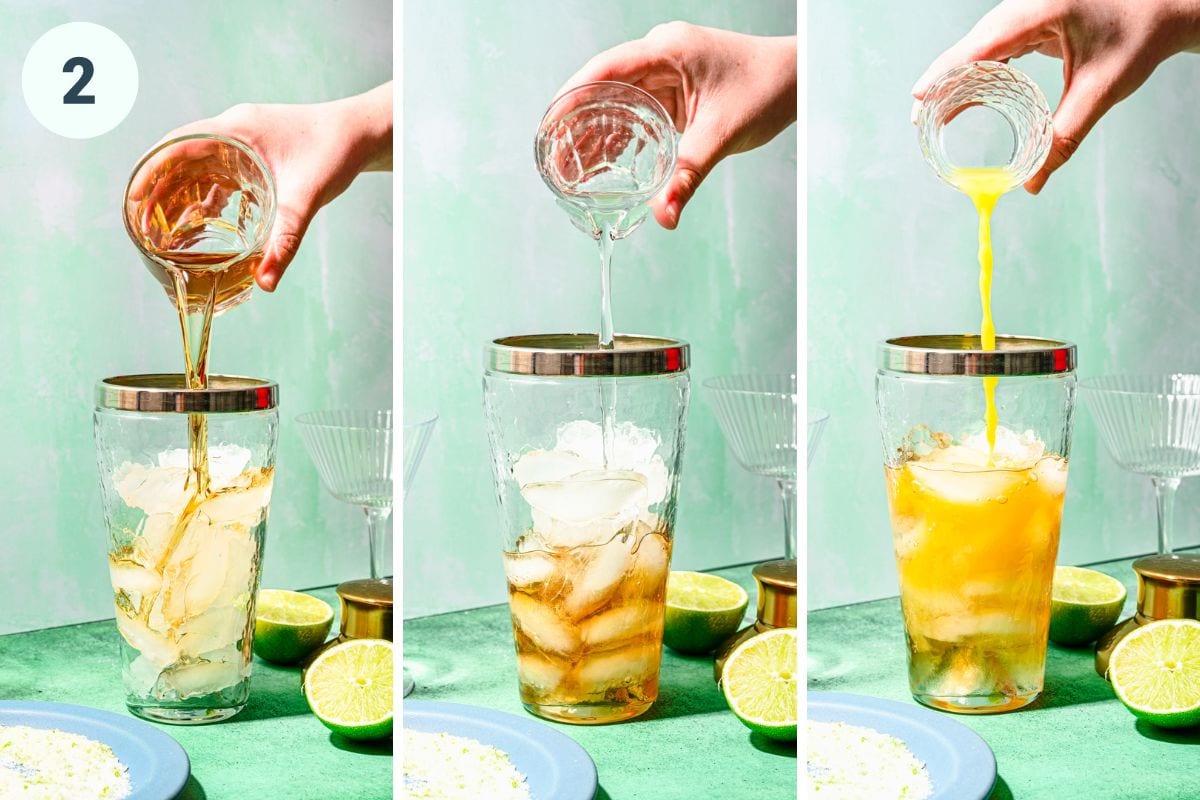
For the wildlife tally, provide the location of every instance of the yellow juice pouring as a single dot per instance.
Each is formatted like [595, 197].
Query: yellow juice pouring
[984, 185]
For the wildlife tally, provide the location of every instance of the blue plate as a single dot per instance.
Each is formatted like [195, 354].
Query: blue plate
[961, 765]
[556, 767]
[158, 767]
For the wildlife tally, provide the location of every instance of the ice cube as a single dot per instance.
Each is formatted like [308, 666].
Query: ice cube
[1012, 451]
[226, 463]
[202, 677]
[546, 629]
[527, 571]
[1051, 474]
[968, 487]
[538, 673]
[155, 490]
[583, 438]
[243, 506]
[907, 534]
[155, 648]
[624, 667]
[133, 578]
[216, 628]
[652, 562]
[588, 496]
[544, 466]
[154, 536]
[212, 565]
[614, 627]
[634, 449]
[142, 677]
[599, 577]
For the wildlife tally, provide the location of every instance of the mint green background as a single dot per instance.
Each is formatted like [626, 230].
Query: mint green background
[1104, 257]
[79, 306]
[487, 253]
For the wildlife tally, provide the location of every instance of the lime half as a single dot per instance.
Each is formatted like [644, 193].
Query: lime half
[289, 625]
[1084, 604]
[702, 611]
[1155, 671]
[759, 682]
[349, 688]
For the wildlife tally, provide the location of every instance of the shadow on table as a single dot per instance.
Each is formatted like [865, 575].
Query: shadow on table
[275, 693]
[685, 699]
[1000, 791]
[1179, 736]
[762, 743]
[192, 790]
[1071, 679]
[601, 794]
[381, 747]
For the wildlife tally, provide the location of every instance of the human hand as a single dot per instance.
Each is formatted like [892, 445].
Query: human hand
[314, 151]
[726, 93]
[1108, 49]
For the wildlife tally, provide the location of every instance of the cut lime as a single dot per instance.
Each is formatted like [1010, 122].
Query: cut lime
[349, 688]
[289, 625]
[1084, 604]
[702, 611]
[759, 682]
[1155, 671]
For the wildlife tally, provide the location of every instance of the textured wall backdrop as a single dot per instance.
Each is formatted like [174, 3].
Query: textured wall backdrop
[488, 253]
[1105, 257]
[80, 306]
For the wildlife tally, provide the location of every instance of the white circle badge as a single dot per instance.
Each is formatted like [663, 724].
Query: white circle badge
[80, 80]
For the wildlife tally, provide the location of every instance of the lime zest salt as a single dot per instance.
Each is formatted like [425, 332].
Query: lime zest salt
[439, 766]
[849, 762]
[47, 764]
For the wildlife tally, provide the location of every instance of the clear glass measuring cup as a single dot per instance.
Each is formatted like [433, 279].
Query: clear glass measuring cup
[1001, 88]
[605, 149]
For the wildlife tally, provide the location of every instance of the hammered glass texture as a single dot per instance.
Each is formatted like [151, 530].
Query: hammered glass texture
[1001, 88]
[1150, 424]
[416, 436]
[817, 420]
[757, 414]
[352, 451]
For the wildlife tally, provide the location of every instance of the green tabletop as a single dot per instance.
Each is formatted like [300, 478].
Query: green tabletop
[274, 748]
[1075, 741]
[688, 746]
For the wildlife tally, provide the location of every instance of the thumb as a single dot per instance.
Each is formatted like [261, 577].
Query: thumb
[291, 223]
[1086, 99]
[701, 147]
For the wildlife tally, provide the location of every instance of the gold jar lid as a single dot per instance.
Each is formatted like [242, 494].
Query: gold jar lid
[1168, 587]
[776, 593]
[366, 609]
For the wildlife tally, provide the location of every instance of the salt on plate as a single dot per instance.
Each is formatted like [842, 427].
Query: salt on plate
[850, 762]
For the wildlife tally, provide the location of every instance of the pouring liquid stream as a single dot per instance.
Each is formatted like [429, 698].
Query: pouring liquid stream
[984, 185]
[605, 219]
[199, 284]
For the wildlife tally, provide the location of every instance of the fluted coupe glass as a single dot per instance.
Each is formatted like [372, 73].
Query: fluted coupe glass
[757, 414]
[1150, 425]
[352, 451]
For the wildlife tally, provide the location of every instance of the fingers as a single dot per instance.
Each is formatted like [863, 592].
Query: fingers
[1088, 96]
[701, 147]
[627, 63]
[291, 223]
[1008, 30]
